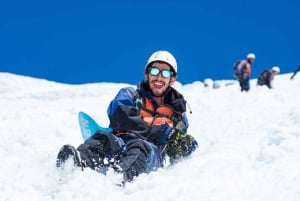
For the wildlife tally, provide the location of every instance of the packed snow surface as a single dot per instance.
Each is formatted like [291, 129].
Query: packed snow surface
[249, 143]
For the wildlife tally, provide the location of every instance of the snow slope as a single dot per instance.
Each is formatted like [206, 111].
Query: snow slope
[249, 143]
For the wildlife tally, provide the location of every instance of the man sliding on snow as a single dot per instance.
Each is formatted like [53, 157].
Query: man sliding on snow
[149, 124]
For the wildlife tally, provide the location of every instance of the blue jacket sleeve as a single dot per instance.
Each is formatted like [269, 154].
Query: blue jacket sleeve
[124, 97]
[185, 123]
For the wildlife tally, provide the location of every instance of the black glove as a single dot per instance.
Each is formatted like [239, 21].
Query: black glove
[180, 144]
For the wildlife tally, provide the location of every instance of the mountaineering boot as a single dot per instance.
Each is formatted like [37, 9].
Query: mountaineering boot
[68, 152]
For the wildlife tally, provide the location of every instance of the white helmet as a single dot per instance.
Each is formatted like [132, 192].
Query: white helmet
[276, 69]
[251, 56]
[163, 56]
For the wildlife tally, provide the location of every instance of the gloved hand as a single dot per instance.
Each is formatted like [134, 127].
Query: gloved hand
[180, 144]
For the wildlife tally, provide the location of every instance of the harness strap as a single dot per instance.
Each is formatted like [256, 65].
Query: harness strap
[139, 105]
[130, 133]
[155, 114]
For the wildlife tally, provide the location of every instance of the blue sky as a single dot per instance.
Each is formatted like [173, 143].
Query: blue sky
[110, 41]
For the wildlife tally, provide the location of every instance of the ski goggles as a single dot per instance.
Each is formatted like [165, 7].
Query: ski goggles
[154, 71]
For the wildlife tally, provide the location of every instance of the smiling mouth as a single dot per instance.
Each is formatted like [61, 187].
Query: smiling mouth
[158, 85]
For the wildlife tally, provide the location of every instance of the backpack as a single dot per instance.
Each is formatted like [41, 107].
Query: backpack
[237, 68]
[265, 74]
[263, 77]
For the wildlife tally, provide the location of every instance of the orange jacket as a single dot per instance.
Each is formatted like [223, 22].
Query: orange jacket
[161, 115]
[247, 68]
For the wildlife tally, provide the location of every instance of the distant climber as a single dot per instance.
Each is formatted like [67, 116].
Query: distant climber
[242, 71]
[267, 76]
[295, 72]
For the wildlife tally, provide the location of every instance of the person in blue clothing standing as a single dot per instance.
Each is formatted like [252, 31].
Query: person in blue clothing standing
[149, 124]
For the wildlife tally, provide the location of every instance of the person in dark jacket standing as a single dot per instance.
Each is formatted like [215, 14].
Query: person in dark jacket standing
[267, 76]
[149, 124]
[295, 72]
